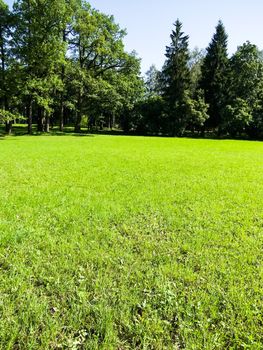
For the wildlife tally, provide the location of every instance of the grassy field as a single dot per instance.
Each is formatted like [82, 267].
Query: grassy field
[130, 243]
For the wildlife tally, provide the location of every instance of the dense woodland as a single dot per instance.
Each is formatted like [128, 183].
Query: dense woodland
[64, 63]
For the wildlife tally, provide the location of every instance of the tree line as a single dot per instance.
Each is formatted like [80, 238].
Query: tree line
[64, 62]
[204, 90]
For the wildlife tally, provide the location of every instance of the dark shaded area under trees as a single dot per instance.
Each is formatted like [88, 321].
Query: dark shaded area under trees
[64, 63]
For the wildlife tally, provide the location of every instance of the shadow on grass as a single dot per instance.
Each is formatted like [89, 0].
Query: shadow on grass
[21, 130]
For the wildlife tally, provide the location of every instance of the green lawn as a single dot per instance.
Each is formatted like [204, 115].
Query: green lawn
[130, 243]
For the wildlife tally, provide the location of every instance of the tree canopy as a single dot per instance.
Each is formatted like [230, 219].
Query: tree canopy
[64, 63]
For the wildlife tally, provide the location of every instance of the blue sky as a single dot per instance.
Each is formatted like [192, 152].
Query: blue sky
[149, 23]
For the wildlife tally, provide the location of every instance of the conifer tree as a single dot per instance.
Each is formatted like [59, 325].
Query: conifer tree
[214, 70]
[176, 80]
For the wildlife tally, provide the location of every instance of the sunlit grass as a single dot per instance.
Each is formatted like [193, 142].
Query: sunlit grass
[130, 243]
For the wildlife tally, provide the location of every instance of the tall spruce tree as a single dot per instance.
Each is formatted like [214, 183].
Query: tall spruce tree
[214, 71]
[176, 80]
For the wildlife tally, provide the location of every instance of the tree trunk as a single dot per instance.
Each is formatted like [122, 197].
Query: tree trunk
[79, 114]
[8, 127]
[113, 121]
[40, 120]
[78, 122]
[47, 124]
[29, 118]
[79, 108]
[61, 109]
[8, 124]
[61, 115]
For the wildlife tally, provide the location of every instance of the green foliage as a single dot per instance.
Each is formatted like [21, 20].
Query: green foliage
[156, 244]
[197, 110]
[255, 129]
[238, 116]
[246, 74]
[152, 81]
[195, 64]
[105, 76]
[7, 116]
[149, 116]
[64, 60]
[68, 59]
[5, 20]
[214, 74]
[39, 51]
[176, 79]
[245, 91]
